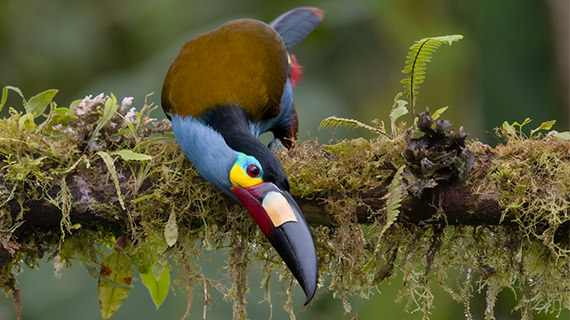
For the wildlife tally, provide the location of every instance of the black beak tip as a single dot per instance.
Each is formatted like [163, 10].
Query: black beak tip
[307, 279]
[310, 293]
[297, 250]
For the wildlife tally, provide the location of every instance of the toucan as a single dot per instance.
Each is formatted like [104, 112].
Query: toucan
[224, 89]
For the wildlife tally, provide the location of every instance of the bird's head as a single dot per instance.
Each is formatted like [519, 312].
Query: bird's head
[269, 204]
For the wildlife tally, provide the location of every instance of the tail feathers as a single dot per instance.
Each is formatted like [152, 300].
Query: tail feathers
[296, 24]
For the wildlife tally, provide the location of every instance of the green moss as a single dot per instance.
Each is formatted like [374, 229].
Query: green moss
[532, 176]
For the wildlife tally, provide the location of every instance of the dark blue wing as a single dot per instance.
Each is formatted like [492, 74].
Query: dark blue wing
[296, 24]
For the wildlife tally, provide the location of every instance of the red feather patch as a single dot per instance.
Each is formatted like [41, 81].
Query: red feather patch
[296, 71]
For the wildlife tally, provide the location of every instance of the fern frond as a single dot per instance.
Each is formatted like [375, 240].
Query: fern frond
[335, 122]
[416, 63]
[396, 193]
[394, 201]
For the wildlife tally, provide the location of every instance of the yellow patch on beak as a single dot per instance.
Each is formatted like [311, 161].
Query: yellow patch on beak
[278, 209]
[239, 178]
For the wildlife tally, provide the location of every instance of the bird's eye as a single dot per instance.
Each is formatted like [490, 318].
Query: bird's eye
[253, 171]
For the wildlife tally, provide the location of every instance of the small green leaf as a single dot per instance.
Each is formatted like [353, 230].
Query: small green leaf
[122, 132]
[171, 230]
[129, 155]
[547, 125]
[5, 95]
[565, 135]
[38, 103]
[61, 116]
[74, 104]
[508, 128]
[114, 282]
[438, 113]
[108, 112]
[61, 111]
[161, 139]
[158, 288]
[148, 196]
[399, 110]
[26, 122]
[520, 125]
[526, 121]
[111, 167]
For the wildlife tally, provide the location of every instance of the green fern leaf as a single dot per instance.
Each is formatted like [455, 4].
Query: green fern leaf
[396, 193]
[394, 201]
[416, 63]
[335, 122]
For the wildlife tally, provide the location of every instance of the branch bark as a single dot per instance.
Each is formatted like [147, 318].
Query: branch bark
[462, 206]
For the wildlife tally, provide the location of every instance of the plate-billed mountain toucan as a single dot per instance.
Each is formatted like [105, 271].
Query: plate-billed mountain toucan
[224, 89]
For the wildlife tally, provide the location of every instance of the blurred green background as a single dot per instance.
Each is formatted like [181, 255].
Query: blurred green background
[512, 64]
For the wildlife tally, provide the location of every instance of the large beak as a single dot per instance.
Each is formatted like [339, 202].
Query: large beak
[282, 222]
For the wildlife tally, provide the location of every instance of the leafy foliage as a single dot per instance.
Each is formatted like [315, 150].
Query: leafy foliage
[416, 64]
[56, 134]
[441, 154]
[511, 130]
[36, 105]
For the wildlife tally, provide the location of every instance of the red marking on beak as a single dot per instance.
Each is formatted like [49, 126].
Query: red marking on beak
[249, 199]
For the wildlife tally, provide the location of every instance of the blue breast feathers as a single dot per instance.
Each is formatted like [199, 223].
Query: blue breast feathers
[206, 149]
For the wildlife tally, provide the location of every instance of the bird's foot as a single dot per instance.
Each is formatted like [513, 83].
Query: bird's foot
[276, 145]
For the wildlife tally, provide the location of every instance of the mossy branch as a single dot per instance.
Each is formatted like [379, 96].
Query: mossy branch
[498, 213]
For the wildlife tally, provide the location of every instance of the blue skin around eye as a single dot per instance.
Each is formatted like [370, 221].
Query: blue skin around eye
[245, 161]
